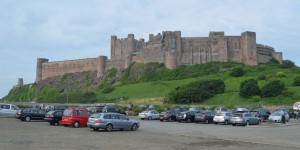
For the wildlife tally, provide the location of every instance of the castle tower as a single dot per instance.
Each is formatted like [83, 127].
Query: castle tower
[172, 47]
[101, 66]
[249, 52]
[278, 56]
[20, 82]
[39, 69]
[171, 59]
[130, 49]
[113, 46]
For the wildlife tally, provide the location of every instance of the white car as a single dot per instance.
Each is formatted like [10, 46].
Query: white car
[8, 110]
[149, 114]
[222, 117]
[277, 116]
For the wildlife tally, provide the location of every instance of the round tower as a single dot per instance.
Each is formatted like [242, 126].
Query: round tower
[170, 60]
[39, 69]
[20, 81]
[101, 66]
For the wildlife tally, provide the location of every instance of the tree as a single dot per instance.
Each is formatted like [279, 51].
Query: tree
[296, 81]
[237, 72]
[287, 64]
[249, 88]
[272, 88]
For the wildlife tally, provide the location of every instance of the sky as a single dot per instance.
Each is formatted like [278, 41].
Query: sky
[77, 29]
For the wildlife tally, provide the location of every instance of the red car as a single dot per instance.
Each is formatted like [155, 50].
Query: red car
[75, 117]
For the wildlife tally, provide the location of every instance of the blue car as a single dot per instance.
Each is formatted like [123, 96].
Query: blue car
[111, 121]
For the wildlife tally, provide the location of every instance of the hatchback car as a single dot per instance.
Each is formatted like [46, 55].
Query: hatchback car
[28, 114]
[54, 117]
[169, 115]
[75, 117]
[206, 117]
[110, 121]
[277, 116]
[260, 114]
[149, 114]
[222, 117]
[188, 116]
[245, 119]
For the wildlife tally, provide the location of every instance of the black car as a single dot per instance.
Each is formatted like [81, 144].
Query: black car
[55, 107]
[28, 114]
[169, 115]
[260, 113]
[206, 117]
[188, 116]
[54, 117]
[112, 109]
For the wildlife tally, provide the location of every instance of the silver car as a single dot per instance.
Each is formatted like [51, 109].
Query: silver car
[244, 119]
[149, 114]
[8, 110]
[277, 116]
[110, 121]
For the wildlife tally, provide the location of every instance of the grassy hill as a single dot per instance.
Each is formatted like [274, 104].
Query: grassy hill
[150, 83]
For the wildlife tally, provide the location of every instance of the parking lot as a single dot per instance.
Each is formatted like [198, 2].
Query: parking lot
[153, 134]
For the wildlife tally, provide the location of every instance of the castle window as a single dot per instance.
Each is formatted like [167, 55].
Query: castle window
[235, 45]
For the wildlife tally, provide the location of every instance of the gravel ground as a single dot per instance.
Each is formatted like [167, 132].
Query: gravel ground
[155, 135]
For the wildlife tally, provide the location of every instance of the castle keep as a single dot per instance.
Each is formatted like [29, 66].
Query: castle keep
[169, 48]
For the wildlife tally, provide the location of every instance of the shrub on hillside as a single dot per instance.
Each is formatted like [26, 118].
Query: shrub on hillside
[108, 89]
[249, 88]
[237, 72]
[296, 81]
[195, 91]
[261, 77]
[280, 75]
[287, 64]
[272, 88]
[113, 72]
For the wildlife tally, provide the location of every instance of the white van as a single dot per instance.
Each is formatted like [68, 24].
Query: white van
[8, 110]
[296, 106]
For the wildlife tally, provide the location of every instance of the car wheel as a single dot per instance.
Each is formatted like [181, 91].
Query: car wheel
[59, 123]
[233, 124]
[52, 123]
[65, 125]
[134, 127]
[216, 123]
[259, 122]
[27, 118]
[142, 118]
[108, 127]
[161, 120]
[150, 118]
[76, 124]
[226, 122]
[206, 121]
[170, 119]
[247, 123]
[179, 121]
[189, 120]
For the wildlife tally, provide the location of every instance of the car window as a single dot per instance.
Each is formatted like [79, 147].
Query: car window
[5, 106]
[67, 112]
[115, 116]
[122, 117]
[41, 112]
[34, 111]
[107, 116]
[59, 113]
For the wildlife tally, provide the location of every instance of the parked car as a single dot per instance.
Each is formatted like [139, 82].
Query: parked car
[260, 114]
[28, 114]
[277, 116]
[245, 119]
[169, 115]
[206, 117]
[222, 117]
[149, 114]
[110, 121]
[284, 110]
[8, 110]
[18, 113]
[221, 109]
[195, 109]
[112, 109]
[54, 117]
[240, 110]
[93, 109]
[75, 117]
[188, 116]
[54, 107]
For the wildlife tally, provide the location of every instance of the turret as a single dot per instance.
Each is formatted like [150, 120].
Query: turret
[249, 52]
[113, 46]
[101, 66]
[39, 69]
[20, 82]
[129, 50]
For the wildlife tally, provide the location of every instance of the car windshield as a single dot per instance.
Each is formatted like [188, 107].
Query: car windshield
[146, 111]
[220, 114]
[276, 114]
[95, 115]
[67, 112]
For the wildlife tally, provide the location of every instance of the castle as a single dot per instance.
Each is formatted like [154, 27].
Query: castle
[169, 48]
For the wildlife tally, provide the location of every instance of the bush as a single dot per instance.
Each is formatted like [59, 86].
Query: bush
[280, 75]
[113, 72]
[249, 88]
[287, 64]
[272, 88]
[296, 81]
[261, 77]
[237, 72]
[196, 91]
[108, 89]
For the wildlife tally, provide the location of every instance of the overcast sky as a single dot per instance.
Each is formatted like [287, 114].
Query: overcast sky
[75, 29]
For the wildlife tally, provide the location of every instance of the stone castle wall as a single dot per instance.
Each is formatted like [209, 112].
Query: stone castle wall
[168, 48]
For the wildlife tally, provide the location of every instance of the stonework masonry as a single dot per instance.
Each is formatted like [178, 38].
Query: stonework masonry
[168, 47]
